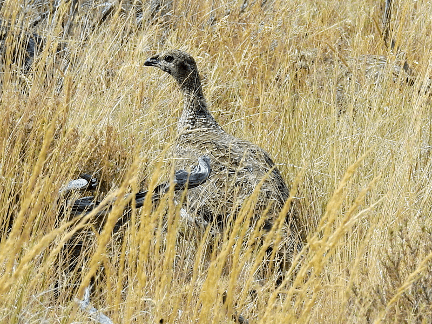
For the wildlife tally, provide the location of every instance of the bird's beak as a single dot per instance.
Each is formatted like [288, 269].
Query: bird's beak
[152, 61]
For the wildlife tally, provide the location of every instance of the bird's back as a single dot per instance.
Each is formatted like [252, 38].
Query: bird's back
[238, 167]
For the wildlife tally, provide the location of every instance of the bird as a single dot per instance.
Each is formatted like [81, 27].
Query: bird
[238, 166]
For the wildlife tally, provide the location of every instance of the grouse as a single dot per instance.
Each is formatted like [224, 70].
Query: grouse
[238, 166]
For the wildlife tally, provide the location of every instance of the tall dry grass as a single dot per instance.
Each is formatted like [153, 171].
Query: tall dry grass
[273, 74]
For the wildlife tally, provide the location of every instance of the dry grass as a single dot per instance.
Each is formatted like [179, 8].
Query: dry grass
[273, 74]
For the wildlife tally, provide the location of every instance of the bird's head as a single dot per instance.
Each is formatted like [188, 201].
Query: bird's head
[180, 65]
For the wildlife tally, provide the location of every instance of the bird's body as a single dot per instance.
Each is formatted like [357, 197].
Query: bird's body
[237, 169]
[238, 166]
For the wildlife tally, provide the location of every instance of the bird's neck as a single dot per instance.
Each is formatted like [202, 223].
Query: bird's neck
[195, 112]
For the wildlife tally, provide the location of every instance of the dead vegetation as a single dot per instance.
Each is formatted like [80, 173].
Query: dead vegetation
[295, 78]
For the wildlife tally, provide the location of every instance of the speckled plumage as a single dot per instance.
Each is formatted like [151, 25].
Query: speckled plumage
[237, 165]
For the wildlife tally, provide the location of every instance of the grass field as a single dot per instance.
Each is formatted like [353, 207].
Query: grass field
[294, 77]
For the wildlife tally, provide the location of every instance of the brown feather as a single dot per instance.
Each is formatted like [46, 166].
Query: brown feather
[237, 165]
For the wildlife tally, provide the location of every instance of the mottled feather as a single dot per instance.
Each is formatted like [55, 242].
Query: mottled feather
[238, 166]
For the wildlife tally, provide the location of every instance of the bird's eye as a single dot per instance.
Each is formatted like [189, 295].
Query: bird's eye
[169, 58]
